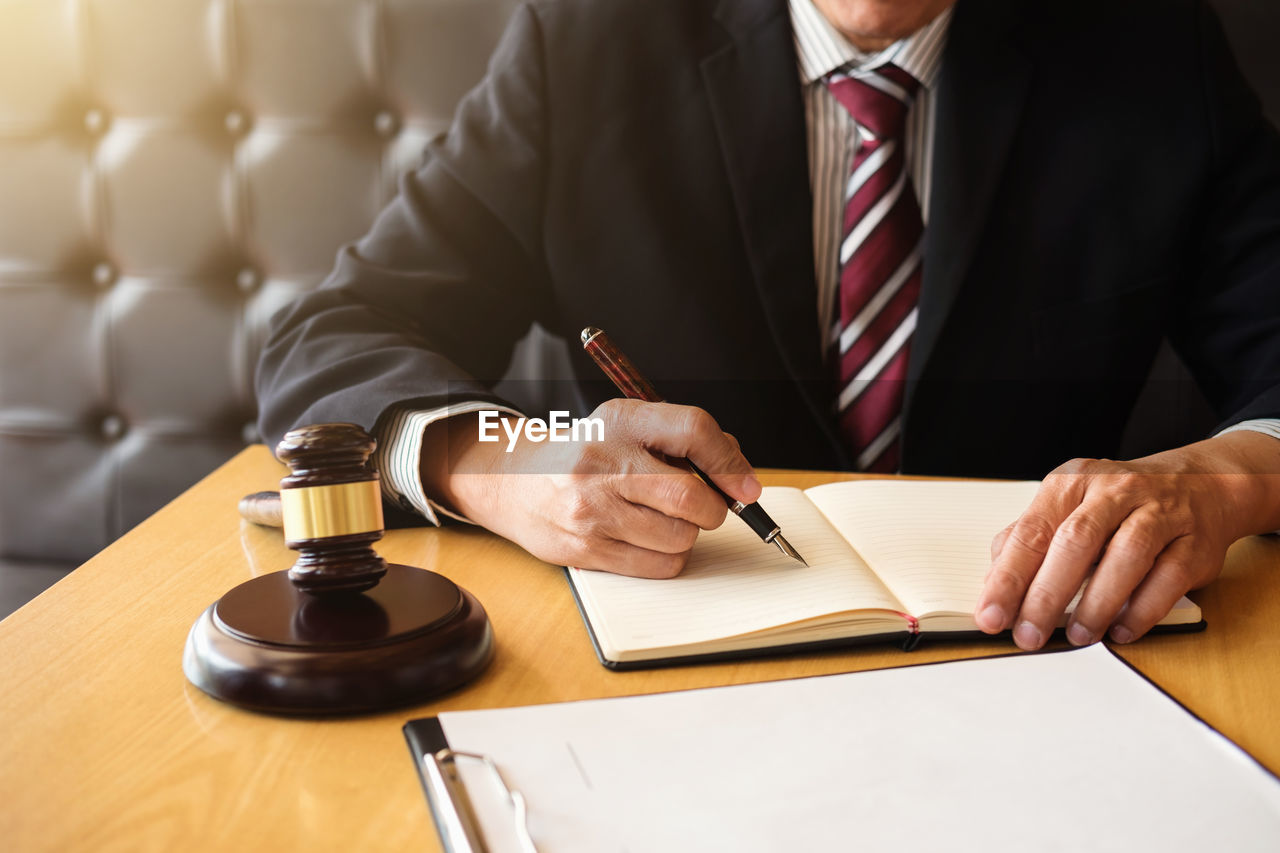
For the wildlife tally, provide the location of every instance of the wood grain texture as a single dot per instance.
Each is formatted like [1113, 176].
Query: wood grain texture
[107, 747]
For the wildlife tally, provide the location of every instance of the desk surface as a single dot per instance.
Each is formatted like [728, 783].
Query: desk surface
[105, 745]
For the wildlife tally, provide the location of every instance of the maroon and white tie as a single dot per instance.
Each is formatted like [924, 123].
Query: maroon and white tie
[880, 268]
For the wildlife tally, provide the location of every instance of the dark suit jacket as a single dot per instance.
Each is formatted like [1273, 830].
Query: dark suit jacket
[1102, 178]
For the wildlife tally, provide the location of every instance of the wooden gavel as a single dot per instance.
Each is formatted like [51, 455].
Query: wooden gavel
[341, 631]
[330, 507]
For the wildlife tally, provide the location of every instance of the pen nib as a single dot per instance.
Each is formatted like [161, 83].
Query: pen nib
[785, 547]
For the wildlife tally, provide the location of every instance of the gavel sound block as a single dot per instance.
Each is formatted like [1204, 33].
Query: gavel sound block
[342, 631]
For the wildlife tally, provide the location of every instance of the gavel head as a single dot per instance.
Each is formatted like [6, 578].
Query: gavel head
[332, 508]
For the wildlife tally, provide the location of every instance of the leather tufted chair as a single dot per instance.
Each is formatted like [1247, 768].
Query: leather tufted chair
[173, 171]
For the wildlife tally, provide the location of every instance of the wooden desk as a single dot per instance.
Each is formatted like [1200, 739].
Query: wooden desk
[104, 744]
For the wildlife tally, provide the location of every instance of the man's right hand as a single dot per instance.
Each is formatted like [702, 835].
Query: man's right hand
[616, 505]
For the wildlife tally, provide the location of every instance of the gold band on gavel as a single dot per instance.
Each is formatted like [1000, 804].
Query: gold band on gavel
[318, 512]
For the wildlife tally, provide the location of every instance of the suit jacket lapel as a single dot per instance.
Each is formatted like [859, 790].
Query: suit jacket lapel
[981, 91]
[752, 82]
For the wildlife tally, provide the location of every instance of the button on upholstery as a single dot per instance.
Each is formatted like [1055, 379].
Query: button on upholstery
[112, 428]
[95, 121]
[104, 275]
[386, 123]
[248, 280]
[236, 122]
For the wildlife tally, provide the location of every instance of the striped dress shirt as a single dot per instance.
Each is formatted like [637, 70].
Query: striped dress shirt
[832, 139]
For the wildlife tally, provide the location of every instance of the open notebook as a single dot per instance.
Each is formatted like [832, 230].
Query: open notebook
[887, 559]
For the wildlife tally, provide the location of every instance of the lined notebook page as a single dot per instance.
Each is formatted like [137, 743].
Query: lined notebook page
[735, 584]
[930, 542]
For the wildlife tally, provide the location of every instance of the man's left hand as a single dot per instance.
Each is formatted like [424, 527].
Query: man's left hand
[1149, 530]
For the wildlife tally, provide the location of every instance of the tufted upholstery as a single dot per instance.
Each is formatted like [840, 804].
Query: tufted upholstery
[171, 172]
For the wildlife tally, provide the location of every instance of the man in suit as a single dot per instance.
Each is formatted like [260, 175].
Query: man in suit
[883, 234]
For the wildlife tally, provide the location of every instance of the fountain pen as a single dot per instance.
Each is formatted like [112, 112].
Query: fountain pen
[629, 381]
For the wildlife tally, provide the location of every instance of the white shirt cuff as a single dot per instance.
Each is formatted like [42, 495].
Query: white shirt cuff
[399, 454]
[1269, 426]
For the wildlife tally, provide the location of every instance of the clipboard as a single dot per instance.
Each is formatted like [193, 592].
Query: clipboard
[590, 789]
[451, 808]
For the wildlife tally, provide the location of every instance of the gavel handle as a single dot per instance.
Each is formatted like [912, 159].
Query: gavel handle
[262, 508]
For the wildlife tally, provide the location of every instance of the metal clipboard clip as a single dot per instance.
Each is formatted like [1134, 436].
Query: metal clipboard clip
[459, 827]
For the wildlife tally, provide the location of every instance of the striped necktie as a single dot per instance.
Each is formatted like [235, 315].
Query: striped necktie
[880, 268]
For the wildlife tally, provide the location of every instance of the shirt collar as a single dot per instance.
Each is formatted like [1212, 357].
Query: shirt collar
[822, 49]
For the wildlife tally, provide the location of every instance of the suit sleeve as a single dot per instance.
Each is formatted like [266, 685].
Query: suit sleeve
[426, 308]
[1227, 329]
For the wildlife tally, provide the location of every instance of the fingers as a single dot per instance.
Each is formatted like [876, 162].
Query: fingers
[634, 474]
[623, 558]
[1129, 557]
[583, 522]
[1180, 567]
[997, 544]
[617, 504]
[675, 493]
[1022, 548]
[1153, 535]
[1076, 545]
[637, 524]
[691, 433]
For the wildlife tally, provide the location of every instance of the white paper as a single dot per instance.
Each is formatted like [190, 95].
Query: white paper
[1060, 751]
